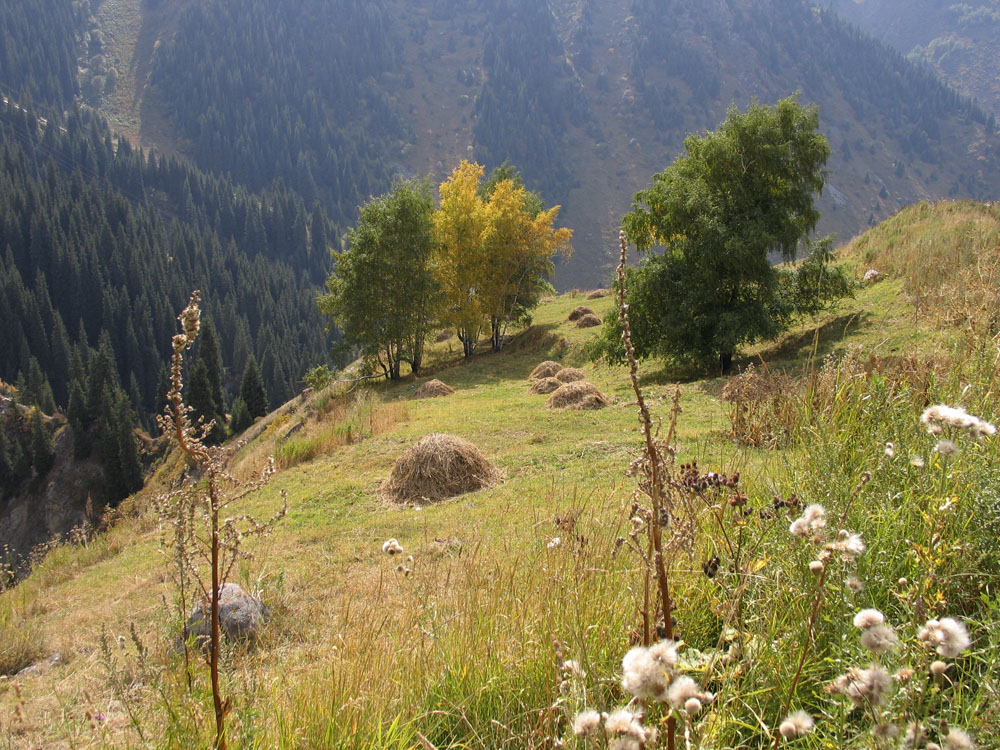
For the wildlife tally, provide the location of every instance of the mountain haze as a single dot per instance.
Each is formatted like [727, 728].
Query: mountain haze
[587, 98]
[959, 41]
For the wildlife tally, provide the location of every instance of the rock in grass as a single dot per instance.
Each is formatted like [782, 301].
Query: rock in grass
[241, 616]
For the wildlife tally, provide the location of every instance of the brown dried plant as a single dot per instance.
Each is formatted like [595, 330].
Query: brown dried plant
[205, 545]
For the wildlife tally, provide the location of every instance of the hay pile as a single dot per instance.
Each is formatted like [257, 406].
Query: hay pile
[546, 369]
[570, 375]
[579, 312]
[438, 467]
[588, 321]
[545, 385]
[577, 396]
[597, 294]
[433, 389]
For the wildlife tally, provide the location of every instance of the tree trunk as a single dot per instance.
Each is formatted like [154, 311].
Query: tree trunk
[496, 336]
[726, 362]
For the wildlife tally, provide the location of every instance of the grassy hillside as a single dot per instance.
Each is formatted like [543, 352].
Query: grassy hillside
[467, 648]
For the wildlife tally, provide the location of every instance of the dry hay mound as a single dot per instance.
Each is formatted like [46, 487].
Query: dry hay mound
[546, 385]
[577, 396]
[433, 389]
[597, 294]
[570, 375]
[588, 321]
[546, 369]
[438, 467]
[579, 312]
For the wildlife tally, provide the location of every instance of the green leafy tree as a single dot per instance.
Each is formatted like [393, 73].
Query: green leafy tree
[739, 196]
[383, 293]
[252, 391]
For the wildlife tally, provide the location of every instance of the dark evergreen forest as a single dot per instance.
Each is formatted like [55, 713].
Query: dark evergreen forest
[286, 89]
[102, 246]
[38, 52]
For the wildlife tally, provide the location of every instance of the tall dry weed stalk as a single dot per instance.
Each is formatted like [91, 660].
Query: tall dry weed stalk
[200, 537]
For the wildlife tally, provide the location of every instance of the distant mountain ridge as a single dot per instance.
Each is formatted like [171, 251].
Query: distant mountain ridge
[960, 41]
[587, 98]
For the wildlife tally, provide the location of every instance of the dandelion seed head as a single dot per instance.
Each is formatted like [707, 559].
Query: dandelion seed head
[868, 618]
[625, 723]
[885, 731]
[692, 706]
[946, 448]
[879, 638]
[855, 584]
[948, 637]
[938, 668]
[392, 547]
[644, 676]
[664, 652]
[917, 462]
[958, 739]
[587, 723]
[816, 567]
[796, 724]
[681, 690]
[864, 687]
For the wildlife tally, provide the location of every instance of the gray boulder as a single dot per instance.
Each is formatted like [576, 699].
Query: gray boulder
[241, 616]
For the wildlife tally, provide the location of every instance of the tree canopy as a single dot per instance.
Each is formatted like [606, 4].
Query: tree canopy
[382, 294]
[740, 196]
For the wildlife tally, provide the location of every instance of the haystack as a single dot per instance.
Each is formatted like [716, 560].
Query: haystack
[588, 321]
[546, 369]
[438, 467]
[433, 389]
[579, 312]
[570, 375]
[545, 385]
[578, 395]
[597, 294]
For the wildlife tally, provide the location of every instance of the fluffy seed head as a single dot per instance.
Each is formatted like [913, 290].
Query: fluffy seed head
[948, 637]
[681, 690]
[816, 567]
[796, 724]
[879, 638]
[645, 674]
[868, 618]
[855, 584]
[624, 723]
[692, 706]
[938, 668]
[946, 448]
[958, 739]
[392, 547]
[890, 450]
[885, 731]
[864, 687]
[941, 415]
[587, 723]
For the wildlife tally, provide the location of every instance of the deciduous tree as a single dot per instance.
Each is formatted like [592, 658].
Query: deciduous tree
[740, 195]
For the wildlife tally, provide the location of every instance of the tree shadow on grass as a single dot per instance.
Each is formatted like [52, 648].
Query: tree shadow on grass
[794, 351]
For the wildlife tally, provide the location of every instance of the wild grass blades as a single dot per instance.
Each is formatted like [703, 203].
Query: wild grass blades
[200, 534]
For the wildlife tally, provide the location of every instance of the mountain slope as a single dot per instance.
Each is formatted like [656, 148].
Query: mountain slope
[960, 41]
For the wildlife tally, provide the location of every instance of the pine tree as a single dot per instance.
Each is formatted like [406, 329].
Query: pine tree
[199, 398]
[208, 352]
[252, 390]
[6, 469]
[42, 455]
[76, 414]
[129, 463]
[240, 418]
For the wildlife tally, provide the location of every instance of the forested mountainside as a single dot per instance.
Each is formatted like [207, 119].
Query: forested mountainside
[102, 245]
[960, 41]
[588, 99]
[39, 50]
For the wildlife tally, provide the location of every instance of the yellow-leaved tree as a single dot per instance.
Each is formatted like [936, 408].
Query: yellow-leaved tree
[459, 262]
[519, 245]
[495, 252]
